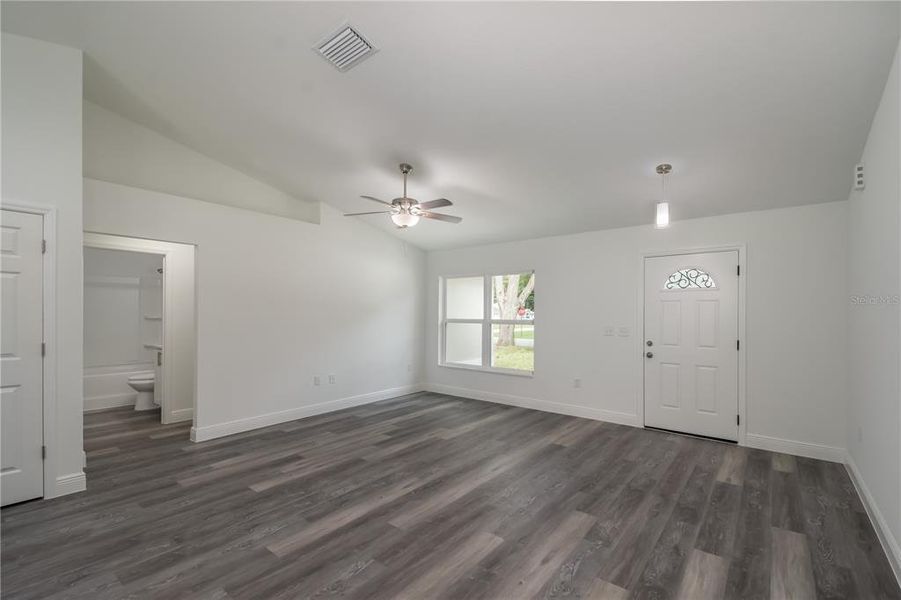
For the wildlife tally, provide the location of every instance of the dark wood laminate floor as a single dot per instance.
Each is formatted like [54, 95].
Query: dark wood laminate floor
[430, 496]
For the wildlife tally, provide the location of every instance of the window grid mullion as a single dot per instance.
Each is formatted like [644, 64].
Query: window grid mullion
[486, 325]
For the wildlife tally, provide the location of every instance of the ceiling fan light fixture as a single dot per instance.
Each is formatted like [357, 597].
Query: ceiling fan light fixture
[406, 212]
[405, 219]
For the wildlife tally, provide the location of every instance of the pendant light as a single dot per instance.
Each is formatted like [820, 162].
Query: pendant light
[662, 219]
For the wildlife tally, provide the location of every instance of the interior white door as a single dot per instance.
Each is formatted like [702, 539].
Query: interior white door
[21, 361]
[691, 343]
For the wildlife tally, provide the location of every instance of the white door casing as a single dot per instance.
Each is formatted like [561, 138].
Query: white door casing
[691, 320]
[21, 357]
[177, 370]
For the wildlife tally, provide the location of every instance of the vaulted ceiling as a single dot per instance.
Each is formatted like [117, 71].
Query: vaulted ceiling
[534, 118]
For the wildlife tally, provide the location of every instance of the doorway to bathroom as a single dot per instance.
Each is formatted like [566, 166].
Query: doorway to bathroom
[139, 332]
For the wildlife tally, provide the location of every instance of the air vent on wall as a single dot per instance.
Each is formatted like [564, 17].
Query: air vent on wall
[345, 48]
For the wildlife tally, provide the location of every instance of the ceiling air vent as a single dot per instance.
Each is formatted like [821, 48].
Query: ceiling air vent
[345, 48]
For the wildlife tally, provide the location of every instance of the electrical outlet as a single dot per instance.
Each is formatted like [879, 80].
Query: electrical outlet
[409, 368]
[316, 380]
[331, 379]
[577, 383]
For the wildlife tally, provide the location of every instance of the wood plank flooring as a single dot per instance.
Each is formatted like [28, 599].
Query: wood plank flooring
[429, 496]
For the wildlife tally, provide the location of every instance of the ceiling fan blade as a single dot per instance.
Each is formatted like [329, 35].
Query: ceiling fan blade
[377, 212]
[440, 217]
[435, 203]
[376, 200]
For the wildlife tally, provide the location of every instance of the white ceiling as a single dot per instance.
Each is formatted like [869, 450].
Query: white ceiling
[534, 118]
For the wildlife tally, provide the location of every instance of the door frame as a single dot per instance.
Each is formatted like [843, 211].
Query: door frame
[110, 241]
[742, 250]
[48, 367]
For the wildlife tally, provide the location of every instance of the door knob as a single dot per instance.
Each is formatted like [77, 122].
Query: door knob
[649, 343]
[650, 355]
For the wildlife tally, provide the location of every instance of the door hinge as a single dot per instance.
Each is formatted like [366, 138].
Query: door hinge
[43, 348]
[738, 419]
[738, 270]
[43, 246]
[43, 452]
[738, 345]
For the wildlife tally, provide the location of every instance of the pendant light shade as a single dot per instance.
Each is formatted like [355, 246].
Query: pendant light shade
[661, 219]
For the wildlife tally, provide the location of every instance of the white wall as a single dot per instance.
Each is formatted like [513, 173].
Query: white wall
[121, 151]
[279, 301]
[122, 305]
[796, 313]
[874, 277]
[41, 140]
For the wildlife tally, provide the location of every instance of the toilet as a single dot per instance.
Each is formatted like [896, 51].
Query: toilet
[142, 383]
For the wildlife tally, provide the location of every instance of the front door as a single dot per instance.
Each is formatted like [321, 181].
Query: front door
[691, 343]
[21, 362]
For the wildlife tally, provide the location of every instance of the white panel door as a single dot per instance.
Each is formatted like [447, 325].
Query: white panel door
[691, 337]
[21, 363]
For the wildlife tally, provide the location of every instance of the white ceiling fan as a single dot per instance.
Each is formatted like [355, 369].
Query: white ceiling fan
[406, 212]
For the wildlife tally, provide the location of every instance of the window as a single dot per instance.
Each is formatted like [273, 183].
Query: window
[489, 322]
[690, 278]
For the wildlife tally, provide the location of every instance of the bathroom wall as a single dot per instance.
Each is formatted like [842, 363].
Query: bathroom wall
[122, 321]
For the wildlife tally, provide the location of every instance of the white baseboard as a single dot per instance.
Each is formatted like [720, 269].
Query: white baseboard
[95, 403]
[68, 484]
[209, 432]
[573, 410]
[805, 449]
[883, 531]
[182, 414]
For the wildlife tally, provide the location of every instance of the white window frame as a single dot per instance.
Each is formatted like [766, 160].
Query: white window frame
[486, 322]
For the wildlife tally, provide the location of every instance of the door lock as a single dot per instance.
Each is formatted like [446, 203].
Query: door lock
[649, 343]
[650, 355]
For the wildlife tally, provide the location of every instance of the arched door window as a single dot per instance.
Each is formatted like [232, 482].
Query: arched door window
[690, 278]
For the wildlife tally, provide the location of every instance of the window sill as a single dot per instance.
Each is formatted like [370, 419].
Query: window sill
[513, 372]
